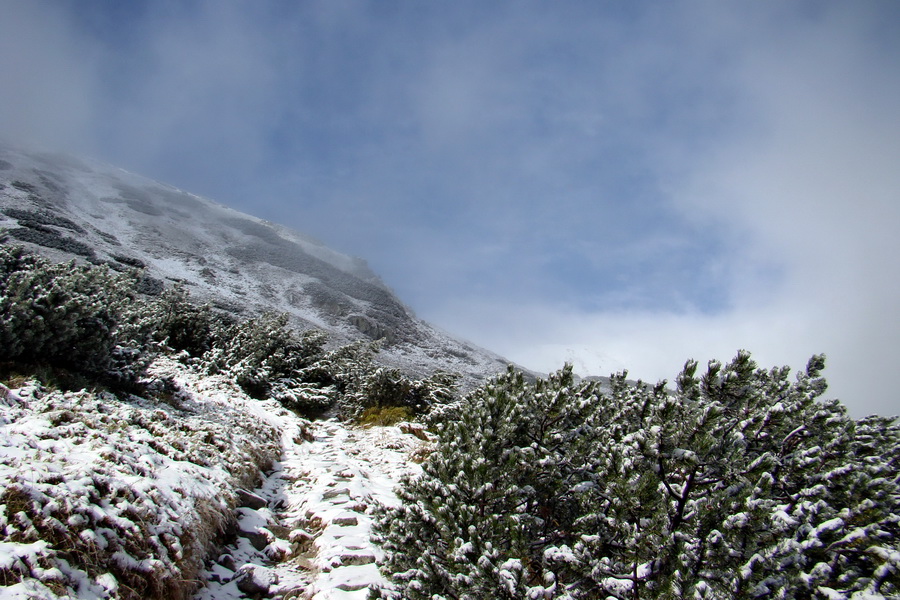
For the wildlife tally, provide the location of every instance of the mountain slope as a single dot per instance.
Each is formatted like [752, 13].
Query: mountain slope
[67, 207]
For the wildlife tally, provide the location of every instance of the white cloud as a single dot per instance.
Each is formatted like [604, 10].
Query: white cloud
[653, 345]
[807, 194]
[816, 189]
[200, 90]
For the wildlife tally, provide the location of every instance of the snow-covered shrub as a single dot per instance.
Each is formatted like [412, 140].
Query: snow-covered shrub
[331, 377]
[27, 217]
[50, 238]
[345, 367]
[499, 488]
[385, 387]
[381, 387]
[740, 483]
[62, 314]
[268, 360]
[304, 398]
[182, 325]
[259, 351]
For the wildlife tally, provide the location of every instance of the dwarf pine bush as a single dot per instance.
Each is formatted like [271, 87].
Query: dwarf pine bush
[257, 352]
[267, 359]
[740, 483]
[183, 325]
[499, 489]
[62, 314]
[381, 387]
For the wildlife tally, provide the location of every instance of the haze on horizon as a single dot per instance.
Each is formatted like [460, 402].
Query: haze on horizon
[617, 185]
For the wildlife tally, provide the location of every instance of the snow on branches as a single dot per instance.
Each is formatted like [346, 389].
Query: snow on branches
[738, 483]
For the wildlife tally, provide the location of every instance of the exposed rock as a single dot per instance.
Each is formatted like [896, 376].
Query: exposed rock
[352, 587]
[345, 521]
[371, 329]
[357, 559]
[255, 580]
[250, 500]
[279, 531]
[302, 543]
[227, 561]
[329, 494]
[259, 539]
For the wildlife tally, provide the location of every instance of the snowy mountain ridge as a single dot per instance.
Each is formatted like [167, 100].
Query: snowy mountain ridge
[66, 207]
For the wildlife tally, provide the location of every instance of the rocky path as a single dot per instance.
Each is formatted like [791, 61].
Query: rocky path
[306, 532]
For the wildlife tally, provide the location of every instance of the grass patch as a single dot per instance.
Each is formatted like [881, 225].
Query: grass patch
[384, 416]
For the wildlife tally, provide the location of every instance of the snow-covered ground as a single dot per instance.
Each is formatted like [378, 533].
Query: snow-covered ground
[315, 517]
[111, 497]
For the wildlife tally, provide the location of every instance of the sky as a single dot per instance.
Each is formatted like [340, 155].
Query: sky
[619, 185]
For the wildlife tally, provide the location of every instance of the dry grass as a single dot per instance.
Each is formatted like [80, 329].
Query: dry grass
[384, 416]
[96, 525]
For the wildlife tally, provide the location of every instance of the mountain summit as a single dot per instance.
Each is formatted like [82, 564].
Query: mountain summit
[66, 207]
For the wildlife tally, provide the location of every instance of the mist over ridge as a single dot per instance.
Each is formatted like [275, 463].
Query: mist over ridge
[66, 207]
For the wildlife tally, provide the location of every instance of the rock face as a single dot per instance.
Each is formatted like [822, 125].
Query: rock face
[67, 207]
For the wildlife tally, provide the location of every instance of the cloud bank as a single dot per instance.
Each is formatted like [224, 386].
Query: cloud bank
[616, 185]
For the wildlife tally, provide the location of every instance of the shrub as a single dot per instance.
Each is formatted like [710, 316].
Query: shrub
[385, 387]
[740, 483]
[261, 351]
[180, 324]
[63, 314]
[43, 218]
[50, 238]
[307, 399]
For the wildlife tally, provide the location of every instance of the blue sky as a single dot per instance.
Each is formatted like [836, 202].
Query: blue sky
[615, 184]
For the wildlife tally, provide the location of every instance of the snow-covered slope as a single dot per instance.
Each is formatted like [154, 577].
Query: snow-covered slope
[68, 207]
[114, 496]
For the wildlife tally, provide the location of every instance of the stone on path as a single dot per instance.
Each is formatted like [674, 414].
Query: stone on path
[250, 500]
[255, 580]
[345, 521]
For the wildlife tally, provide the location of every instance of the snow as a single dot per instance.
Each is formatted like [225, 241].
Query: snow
[127, 484]
[831, 594]
[325, 489]
[145, 487]
[349, 472]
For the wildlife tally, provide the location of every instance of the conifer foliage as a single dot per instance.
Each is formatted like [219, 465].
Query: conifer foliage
[65, 314]
[86, 318]
[741, 483]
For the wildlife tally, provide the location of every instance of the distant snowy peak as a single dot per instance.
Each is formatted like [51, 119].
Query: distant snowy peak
[67, 207]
